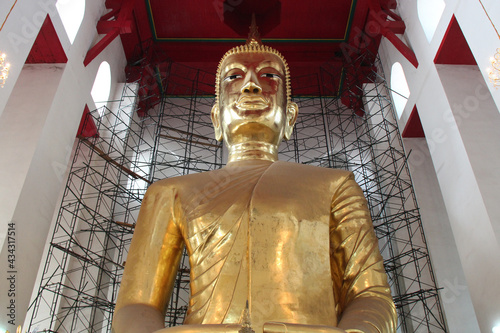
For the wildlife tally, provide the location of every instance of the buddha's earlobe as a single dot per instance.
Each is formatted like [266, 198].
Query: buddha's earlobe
[292, 111]
[215, 115]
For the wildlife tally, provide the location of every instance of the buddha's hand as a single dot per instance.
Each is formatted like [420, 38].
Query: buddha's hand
[208, 328]
[279, 327]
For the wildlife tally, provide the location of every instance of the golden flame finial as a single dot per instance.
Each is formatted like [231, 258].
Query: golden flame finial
[253, 35]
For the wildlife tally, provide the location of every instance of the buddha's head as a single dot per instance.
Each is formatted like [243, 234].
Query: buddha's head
[253, 96]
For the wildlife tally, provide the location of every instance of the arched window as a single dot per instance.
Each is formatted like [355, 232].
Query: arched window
[71, 13]
[429, 14]
[399, 88]
[102, 86]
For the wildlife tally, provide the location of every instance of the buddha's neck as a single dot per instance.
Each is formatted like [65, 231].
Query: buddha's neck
[253, 151]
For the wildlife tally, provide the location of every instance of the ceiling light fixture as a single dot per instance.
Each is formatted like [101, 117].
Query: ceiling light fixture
[4, 69]
[5, 66]
[494, 70]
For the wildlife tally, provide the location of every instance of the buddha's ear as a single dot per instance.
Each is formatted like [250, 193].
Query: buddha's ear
[292, 111]
[215, 115]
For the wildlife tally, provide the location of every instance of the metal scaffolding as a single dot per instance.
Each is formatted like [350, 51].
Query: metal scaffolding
[353, 128]
[368, 142]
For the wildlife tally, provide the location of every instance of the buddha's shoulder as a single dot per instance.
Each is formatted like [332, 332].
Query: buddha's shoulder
[280, 169]
[187, 181]
[306, 170]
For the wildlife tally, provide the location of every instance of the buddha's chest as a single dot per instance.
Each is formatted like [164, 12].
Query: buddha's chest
[263, 239]
[277, 222]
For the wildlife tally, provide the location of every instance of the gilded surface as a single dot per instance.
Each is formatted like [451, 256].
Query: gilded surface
[294, 242]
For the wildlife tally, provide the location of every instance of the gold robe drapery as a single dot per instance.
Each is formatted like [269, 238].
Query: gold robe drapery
[296, 241]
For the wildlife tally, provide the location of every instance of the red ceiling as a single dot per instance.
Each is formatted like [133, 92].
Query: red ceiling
[207, 19]
[198, 33]
[47, 48]
[311, 35]
[454, 49]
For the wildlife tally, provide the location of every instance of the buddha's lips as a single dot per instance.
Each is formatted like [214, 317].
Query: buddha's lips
[252, 102]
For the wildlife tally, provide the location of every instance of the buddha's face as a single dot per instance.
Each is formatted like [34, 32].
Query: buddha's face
[252, 99]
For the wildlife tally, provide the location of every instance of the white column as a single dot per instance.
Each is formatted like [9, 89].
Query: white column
[454, 293]
[21, 126]
[464, 153]
[40, 110]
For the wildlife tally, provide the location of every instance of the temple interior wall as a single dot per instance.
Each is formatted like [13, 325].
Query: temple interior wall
[40, 110]
[450, 277]
[457, 199]
[458, 115]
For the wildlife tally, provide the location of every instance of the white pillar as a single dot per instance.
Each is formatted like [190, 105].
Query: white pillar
[21, 126]
[467, 177]
[454, 293]
[40, 110]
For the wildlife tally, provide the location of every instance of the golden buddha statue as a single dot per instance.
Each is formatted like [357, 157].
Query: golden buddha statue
[290, 245]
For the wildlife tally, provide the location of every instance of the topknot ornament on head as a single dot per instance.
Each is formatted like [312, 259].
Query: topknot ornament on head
[253, 45]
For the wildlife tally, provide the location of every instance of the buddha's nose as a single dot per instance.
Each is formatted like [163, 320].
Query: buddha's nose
[251, 87]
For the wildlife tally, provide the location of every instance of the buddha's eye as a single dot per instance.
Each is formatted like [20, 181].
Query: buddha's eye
[233, 77]
[271, 75]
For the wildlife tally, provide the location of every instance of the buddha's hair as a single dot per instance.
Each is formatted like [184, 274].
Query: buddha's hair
[253, 46]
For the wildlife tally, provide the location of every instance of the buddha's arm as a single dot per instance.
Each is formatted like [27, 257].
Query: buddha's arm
[280, 327]
[206, 328]
[360, 282]
[151, 265]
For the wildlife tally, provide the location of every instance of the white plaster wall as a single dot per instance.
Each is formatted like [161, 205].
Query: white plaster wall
[20, 126]
[465, 206]
[42, 183]
[475, 26]
[47, 145]
[455, 150]
[18, 35]
[480, 34]
[449, 274]
[478, 122]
